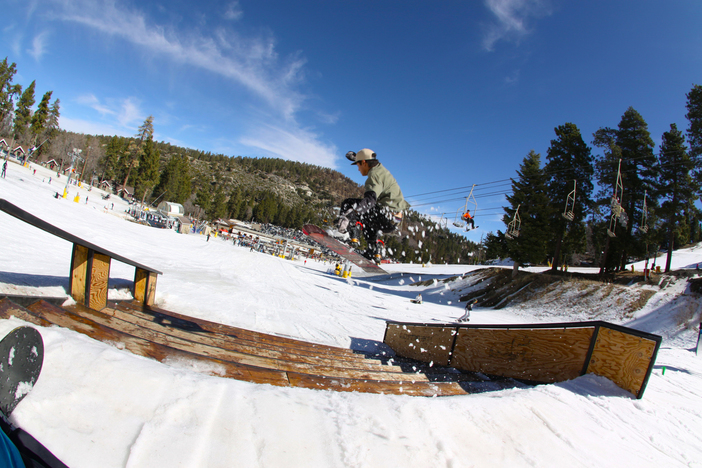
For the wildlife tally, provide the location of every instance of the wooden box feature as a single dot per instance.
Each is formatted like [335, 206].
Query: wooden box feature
[623, 358]
[424, 343]
[537, 355]
[145, 286]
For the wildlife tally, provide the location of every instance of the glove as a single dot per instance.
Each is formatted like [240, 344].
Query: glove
[342, 224]
[351, 156]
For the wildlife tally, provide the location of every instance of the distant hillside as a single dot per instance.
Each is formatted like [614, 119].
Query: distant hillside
[266, 190]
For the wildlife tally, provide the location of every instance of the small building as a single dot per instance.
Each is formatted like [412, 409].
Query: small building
[171, 209]
[183, 225]
[52, 164]
[125, 192]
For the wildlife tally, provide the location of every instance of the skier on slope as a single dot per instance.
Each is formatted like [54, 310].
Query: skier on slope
[380, 209]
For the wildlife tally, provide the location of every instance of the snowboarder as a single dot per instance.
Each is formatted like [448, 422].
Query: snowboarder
[380, 209]
[4, 169]
[469, 307]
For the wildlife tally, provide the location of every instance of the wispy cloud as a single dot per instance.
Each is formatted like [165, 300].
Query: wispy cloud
[39, 45]
[126, 113]
[511, 19]
[233, 11]
[291, 143]
[512, 78]
[249, 62]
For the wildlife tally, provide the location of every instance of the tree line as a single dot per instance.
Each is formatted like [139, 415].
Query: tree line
[644, 199]
[25, 126]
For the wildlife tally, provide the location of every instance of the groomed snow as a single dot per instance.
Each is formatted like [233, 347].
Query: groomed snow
[95, 405]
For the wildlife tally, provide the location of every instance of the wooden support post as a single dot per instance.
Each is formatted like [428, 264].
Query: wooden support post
[96, 293]
[79, 273]
[145, 286]
[90, 273]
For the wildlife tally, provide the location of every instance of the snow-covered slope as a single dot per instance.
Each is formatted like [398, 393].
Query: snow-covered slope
[96, 405]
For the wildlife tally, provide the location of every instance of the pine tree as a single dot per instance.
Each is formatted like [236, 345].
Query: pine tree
[23, 114]
[218, 207]
[40, 119]
[529, 195]
[234, 203]
[632, 144]
[174, 181]
[694, 116]
[136, 149]
[109, 163]
[147, 174]
[675, 185]
[203, 200]
[51, 130]
[569, 167]
[8, 93]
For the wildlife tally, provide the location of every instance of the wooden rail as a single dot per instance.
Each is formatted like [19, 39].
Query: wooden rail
[539, 353]
[90, 265]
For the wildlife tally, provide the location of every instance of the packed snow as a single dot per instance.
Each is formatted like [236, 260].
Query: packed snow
[96, 405]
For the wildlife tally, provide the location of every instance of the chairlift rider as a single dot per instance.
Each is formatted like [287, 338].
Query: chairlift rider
[468, 220]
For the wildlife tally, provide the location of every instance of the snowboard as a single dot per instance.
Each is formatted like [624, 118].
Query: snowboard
[343, 250]
[21, 358]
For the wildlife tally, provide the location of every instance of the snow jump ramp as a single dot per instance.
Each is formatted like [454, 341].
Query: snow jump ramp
[535, 353]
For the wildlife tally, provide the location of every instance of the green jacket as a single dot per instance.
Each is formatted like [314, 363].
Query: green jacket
[387, 192]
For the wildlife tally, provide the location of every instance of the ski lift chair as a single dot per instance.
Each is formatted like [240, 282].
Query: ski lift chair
[643, 227]
[568, 213]
[611, 230]
[459, 222]
[514, 226]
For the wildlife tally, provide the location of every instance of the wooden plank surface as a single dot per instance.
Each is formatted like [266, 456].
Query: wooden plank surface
[229, 338]
[251, 335]
[623, 358]
[407, 387]
[421, 342]
[42, 312]
[10, 309]
[538, 355]
[231, 343]
[212, 350]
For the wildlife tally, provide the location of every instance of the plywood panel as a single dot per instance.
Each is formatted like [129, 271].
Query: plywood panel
[79, 273]
[539, 355]
[145, 286]
[622, 358]
[141, 277]
[421, 342]
[99, 279]
[151, 289]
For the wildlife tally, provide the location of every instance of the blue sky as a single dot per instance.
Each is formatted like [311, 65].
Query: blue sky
[447, 93]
